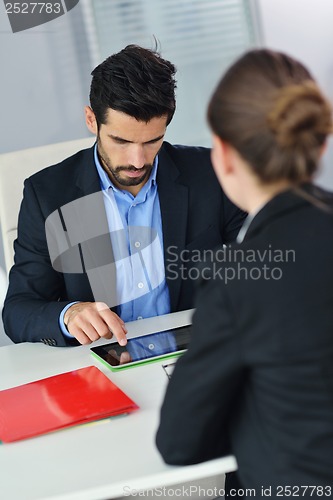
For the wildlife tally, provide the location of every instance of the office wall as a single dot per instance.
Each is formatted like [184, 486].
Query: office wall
[303, 28]
[44, 82]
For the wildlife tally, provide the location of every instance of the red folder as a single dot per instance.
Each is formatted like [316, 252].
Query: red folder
[60, 401]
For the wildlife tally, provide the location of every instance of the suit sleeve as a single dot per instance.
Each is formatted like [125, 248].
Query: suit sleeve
[204, 386]
[34, 298]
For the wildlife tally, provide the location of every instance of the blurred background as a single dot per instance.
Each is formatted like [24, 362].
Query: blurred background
[45, 71]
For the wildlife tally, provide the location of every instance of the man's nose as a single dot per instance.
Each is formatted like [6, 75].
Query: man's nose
[137, 156]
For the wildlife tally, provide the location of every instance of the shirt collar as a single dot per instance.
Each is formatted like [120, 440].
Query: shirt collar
[106, 183]
[247, 223]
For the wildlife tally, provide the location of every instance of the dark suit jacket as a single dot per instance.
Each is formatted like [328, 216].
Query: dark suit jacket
[195, 215]
[257, 380]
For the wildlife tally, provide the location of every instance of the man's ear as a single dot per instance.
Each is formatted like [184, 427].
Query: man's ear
[91, 120]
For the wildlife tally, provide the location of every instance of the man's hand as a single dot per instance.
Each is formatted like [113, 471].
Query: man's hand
[89, 321]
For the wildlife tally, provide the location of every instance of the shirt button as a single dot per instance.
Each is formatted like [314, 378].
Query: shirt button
[140, 285]
[137, 244]
[151, 346]
[139, 317]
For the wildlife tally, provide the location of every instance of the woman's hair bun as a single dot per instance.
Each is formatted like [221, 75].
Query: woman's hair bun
[300, 116]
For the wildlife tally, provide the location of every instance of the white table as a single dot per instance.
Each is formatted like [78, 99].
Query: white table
[100, 460]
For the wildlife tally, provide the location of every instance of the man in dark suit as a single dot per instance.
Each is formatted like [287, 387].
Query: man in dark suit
[109, 234]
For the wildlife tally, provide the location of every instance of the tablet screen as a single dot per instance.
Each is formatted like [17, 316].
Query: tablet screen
[148, 347]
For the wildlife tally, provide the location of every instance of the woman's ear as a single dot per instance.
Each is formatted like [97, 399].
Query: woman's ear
[221, 157]
[323, 149]
[91, 120]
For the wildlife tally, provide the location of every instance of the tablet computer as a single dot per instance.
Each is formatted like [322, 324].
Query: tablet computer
[145, 349]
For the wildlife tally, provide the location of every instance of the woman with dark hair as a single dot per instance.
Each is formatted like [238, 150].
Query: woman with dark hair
[257, 380]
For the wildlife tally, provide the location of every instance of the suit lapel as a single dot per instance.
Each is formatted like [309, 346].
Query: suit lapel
[87, 180]
[96, 250]
[173, 198]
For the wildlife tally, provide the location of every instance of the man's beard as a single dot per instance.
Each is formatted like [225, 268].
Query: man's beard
[114, 173]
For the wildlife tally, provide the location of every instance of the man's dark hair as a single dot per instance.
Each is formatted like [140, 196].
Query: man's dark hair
[136, 81]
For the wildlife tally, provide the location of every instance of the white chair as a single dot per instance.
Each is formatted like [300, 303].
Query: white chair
[3, 286]
[15, 167]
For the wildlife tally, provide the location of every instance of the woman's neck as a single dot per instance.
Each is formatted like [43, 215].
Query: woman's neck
[261, 194]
